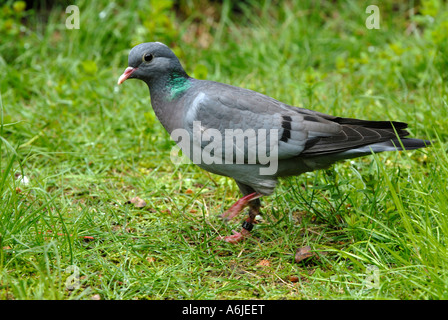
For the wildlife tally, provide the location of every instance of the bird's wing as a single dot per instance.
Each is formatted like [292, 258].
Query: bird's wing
[354, 133]
[248, 121]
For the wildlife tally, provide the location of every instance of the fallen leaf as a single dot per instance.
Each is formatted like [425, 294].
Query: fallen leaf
[293, 278]
[138, 203]
[264, 263]
[303, 253]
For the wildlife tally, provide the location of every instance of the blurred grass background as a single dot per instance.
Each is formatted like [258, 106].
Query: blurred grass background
[75, 149]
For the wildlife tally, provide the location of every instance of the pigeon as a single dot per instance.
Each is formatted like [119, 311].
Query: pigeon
[249, 136]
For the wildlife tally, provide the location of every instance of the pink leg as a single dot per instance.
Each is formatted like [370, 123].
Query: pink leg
[250, 221]
[239, 206]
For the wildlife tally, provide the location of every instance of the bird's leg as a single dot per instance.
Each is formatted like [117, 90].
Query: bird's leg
[248, 224]
[240, 205]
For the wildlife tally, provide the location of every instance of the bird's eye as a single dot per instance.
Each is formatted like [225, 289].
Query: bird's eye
[148, 57]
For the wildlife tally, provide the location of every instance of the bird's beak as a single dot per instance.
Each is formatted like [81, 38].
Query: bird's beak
[126, 74]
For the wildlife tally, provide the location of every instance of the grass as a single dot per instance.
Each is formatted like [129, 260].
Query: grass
[86, 147]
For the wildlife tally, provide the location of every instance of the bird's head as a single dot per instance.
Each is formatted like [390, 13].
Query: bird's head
[150, 60]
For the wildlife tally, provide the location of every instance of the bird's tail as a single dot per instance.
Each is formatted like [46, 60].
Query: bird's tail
[390, 145]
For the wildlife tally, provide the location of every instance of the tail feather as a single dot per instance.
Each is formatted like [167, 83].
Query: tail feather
[410, 143]
[372, 124]
[391, 145]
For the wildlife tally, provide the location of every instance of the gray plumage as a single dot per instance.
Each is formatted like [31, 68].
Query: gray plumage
[305, 140]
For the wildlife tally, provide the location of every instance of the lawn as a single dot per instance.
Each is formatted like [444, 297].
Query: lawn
[77, 150]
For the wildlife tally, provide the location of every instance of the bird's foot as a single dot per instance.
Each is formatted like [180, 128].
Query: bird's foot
[239, 206]
[235, 237]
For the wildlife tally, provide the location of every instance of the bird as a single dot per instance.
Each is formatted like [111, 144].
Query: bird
[251, 137]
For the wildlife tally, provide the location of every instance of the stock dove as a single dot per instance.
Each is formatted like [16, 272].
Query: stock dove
[248, 136]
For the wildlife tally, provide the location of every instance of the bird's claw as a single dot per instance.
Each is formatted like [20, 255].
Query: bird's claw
[235, 237]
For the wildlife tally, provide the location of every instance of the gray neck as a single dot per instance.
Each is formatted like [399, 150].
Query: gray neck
[165, 91]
